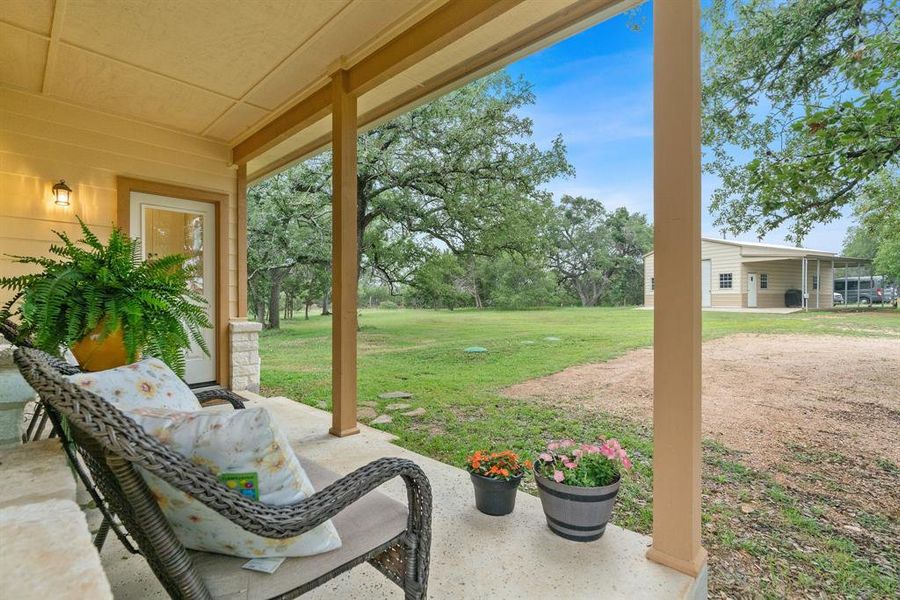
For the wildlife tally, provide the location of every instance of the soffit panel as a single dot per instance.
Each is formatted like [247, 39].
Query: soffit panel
[318, 130]
[223, 45]
[33, 15]
[483, 39]
[357, 26]
[235, 121]
[108, 85]
[22, 58]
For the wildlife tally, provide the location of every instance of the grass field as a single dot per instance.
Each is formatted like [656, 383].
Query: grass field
[421, 352]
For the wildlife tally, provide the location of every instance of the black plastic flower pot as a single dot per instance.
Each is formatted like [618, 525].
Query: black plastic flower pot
[495, 497]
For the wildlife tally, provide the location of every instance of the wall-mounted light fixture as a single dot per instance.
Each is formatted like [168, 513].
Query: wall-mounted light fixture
[62, 193]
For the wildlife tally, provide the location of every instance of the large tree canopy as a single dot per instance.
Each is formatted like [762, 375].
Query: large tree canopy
[595, 251]
[461, 174]
[878, 211]
[808, 91]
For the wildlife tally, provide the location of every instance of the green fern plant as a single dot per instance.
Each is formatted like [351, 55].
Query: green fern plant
[86, 283]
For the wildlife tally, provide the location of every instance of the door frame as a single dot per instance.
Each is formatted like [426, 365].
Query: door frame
[754, 290]
[126, 185]
[706, 293]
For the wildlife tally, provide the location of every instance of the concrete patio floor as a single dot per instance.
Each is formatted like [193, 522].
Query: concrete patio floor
[473, 555]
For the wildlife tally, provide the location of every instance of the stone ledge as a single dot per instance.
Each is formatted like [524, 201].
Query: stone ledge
[47, 553]
[37, 472]
[244, 326]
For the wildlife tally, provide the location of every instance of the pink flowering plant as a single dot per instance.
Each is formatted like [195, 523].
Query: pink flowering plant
[583, 465]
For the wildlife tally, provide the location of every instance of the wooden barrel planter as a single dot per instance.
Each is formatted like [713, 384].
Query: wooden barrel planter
[576, 513]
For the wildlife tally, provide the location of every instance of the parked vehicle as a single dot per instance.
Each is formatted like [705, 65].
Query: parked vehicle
[868, 289]
[838, 298]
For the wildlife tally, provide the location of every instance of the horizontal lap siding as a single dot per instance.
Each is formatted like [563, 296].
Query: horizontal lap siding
[43, 140]
[724, 258]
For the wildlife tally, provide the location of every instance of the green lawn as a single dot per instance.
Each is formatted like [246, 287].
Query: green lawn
[422, 352]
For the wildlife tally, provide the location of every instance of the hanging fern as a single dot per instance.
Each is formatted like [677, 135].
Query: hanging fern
[86, 283]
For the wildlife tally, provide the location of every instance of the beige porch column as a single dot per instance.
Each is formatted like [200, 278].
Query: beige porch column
[677, 317]
[344, 257]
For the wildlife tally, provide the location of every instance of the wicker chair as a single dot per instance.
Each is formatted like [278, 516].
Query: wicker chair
[43, 414]
[394, 538]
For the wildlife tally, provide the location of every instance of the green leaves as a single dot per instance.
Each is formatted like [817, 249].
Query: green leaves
[90, 284]
[800, 108]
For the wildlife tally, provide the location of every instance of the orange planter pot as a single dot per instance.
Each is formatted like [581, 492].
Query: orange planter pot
[95, 354]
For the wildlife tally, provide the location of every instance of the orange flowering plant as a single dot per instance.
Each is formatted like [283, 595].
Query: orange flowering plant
[504, 465]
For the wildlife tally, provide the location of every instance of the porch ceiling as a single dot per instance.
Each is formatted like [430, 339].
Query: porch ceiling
[226, 69]
[214, 68]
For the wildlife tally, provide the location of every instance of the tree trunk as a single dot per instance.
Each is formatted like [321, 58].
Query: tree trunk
[306, 310]
[261, 310]
[277, 278]
[325, 311]
[274, 301]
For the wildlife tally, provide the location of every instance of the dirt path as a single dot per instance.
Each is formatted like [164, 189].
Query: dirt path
[760, 392]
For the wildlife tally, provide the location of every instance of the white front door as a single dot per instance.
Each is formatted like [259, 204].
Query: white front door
[751, 290]
[705, 283]
[173, 226]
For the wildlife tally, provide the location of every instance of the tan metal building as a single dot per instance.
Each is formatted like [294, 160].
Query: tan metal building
[737, 274]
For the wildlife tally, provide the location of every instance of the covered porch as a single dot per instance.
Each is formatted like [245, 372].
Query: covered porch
[82, 102]
[535, 562]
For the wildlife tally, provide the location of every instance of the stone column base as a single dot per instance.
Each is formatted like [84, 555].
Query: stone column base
[245, 355]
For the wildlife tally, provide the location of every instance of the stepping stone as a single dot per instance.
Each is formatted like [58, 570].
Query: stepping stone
[366, 412]
[418, 412]
[394, 395]
[322, 405]
[528, 342]
[397, 406]
[369, 403]
[475, 350]
[552, 338]
[381, 420]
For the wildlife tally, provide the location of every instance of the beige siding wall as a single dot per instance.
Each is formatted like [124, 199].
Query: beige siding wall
[787, 274]
[648, 276]
[43, 140]
[724, 258]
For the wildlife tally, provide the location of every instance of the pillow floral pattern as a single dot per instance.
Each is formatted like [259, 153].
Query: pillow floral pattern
[240, 441]
[146, 383]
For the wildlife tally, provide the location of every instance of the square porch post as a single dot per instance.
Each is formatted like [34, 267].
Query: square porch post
[677, 318]
[343, 257]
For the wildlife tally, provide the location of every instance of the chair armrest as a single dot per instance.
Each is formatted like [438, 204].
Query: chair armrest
[290, 520]
[211, 397]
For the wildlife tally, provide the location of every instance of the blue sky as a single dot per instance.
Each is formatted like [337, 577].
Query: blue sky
[596, 89]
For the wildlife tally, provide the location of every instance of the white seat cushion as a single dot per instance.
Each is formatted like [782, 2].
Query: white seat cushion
[232, 442]
[148, 383]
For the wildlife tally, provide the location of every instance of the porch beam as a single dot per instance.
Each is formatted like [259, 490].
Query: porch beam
[677, 321]
[344, 258]
[444, 26]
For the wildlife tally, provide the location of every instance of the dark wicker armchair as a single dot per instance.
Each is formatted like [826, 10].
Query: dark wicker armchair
[394, 538]
[43, 414]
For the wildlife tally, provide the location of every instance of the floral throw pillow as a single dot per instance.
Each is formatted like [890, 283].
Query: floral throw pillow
[241, 444]
[146, 383]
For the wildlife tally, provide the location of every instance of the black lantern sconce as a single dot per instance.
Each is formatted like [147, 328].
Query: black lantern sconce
[62, 193]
